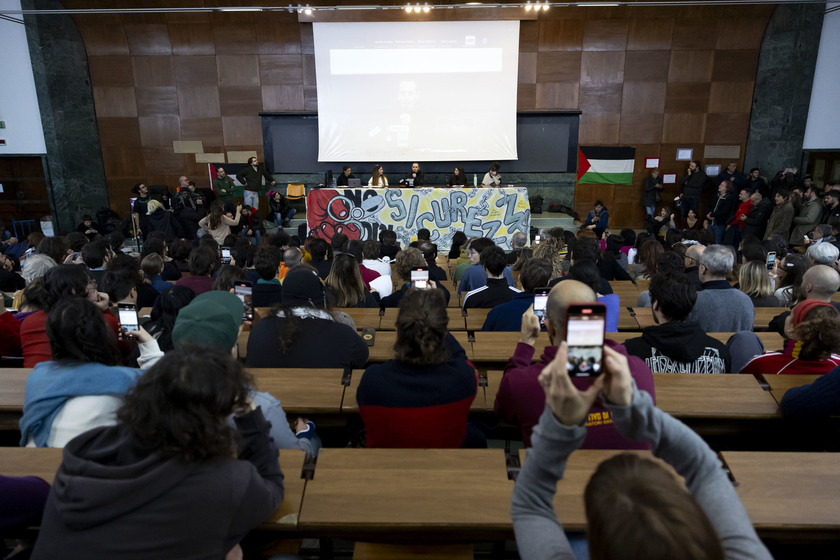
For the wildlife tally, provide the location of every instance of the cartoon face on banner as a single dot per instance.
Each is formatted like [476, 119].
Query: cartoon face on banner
[362, 213]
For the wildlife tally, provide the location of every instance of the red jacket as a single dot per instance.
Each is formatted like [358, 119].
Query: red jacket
[744, 208]
[36, 345]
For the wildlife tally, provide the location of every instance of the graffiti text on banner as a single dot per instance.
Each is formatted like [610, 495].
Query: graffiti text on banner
[362, 213]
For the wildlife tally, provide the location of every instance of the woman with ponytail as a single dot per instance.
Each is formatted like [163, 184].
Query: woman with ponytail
[421, 399]
[813, 332]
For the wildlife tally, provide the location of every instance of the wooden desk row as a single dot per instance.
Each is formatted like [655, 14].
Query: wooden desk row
[322, 392]
[763, 316]
[463, 495]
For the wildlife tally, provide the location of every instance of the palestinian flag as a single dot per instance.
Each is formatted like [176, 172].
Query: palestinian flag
[606, 165]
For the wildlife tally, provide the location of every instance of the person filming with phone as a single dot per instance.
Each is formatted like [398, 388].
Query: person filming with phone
[520, 397]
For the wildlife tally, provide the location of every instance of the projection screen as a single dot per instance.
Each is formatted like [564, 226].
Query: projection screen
[428, 91]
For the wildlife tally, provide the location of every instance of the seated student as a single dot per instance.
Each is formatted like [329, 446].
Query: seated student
[202, 261]
[292, 257]
[422, 398]
[162, 319]
[250, 224]
[492, 178]
[634, 507]
[214, 320]
[674, 345]
[81, 387]
[583, 248]
[268, 290]
[166, 469]
[670, 261]
[88, 227]
[598, 219]
[318, 248]
[813, 345]
[388, 246]
[457, 179]
[474, 275]
[520, 394]
[10, 281]
[163, 221]
[496, 291]
[303, 328]
[430, 253]
[344, 285]
[415, 178]
[508, 316]
[354, 248]
[371, 259]
[820, 399]
[406, 261]
[754, 280]
[279, 210]
[96, 255]
[152, 266]
[23, 503]
[9, 334]
[719, 306]
[462, 261]
[586, 272]
[62, 282]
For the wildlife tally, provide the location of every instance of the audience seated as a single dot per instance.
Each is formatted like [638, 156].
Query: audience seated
[754, 280]
[496, 291]
[202, 261]
[586, 272]
[819, 282]
[302, 328]
[789, 272]
[165, 311]
[720, 307]
[508, 316]
[474, 275]
[166, 469]
[344, 285]
[23, 502]
[82, 386]
[634, 507]
[371, 259]
[268, 290]
[813, 332]
[820, 399]
[292, 257]
[407, 260]
[318, 249]
[520, 394]
[586, 249]
[420, 399]
[669, 261]
[10, 281]
[674, 345]
[388, 246]
[66, 281]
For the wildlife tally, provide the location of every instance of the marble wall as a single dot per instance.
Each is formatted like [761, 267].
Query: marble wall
[783, 83]
[76, 182]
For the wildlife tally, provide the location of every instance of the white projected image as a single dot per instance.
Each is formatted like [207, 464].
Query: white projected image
[429, 91]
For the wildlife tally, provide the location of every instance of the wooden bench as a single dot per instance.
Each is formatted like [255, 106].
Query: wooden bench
[763, 316]
[43, 462]
[778, 385]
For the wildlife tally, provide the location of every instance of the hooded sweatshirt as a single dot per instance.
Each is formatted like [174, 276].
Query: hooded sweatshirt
[679, 347]
[112, 499]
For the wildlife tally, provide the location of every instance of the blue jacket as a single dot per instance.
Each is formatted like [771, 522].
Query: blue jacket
[508, 316]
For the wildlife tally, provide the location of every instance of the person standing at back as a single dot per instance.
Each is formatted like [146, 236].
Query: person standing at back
[251, 177]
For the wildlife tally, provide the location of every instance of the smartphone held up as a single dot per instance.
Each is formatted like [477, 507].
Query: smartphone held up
[585, 325]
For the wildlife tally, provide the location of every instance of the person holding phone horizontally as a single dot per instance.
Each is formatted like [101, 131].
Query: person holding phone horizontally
[520, 394]
[635, 508]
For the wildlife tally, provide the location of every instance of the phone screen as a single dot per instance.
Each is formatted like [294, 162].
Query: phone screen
[540, 302]
[244, 292]
[420, 278]
[771, 261]
[537, 239]
[225, 255]
[128, 317]
[585, 338]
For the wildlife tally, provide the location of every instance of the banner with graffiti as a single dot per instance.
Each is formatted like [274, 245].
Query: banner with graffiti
[362, 213]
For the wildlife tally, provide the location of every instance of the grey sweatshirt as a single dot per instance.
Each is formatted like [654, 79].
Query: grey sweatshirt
[539, 534]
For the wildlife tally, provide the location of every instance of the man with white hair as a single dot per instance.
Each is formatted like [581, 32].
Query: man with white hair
[720, 307]
[823, 253]
[819, 282]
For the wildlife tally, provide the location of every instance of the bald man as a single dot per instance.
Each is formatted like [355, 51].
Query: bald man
[521, 398]
[692, 265]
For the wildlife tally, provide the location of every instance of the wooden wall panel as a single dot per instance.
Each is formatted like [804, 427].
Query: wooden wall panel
[191, 39]
[196, 70]
[687, 98]
[198, 102]
[160, 130]
[643, 97]
[558, 67]
[156, 100]
[153, 71]
[108, 71]
[690, 66]
[650, 34]
[148, 39]
[240, 100]
[657, 78]
[605, 35]
[602, 67]
[280, 69]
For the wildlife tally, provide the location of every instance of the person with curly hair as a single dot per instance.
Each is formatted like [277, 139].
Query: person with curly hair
[813, 331]
[166, 468]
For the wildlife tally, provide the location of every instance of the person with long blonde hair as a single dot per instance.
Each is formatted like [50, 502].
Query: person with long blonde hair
[377, 177]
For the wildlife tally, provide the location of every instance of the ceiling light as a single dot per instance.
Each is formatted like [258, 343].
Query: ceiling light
[417, 8]
[528, 6]
[546, 6]
[426, 7]
[307, 10]
[240, 9]
[408, 8]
